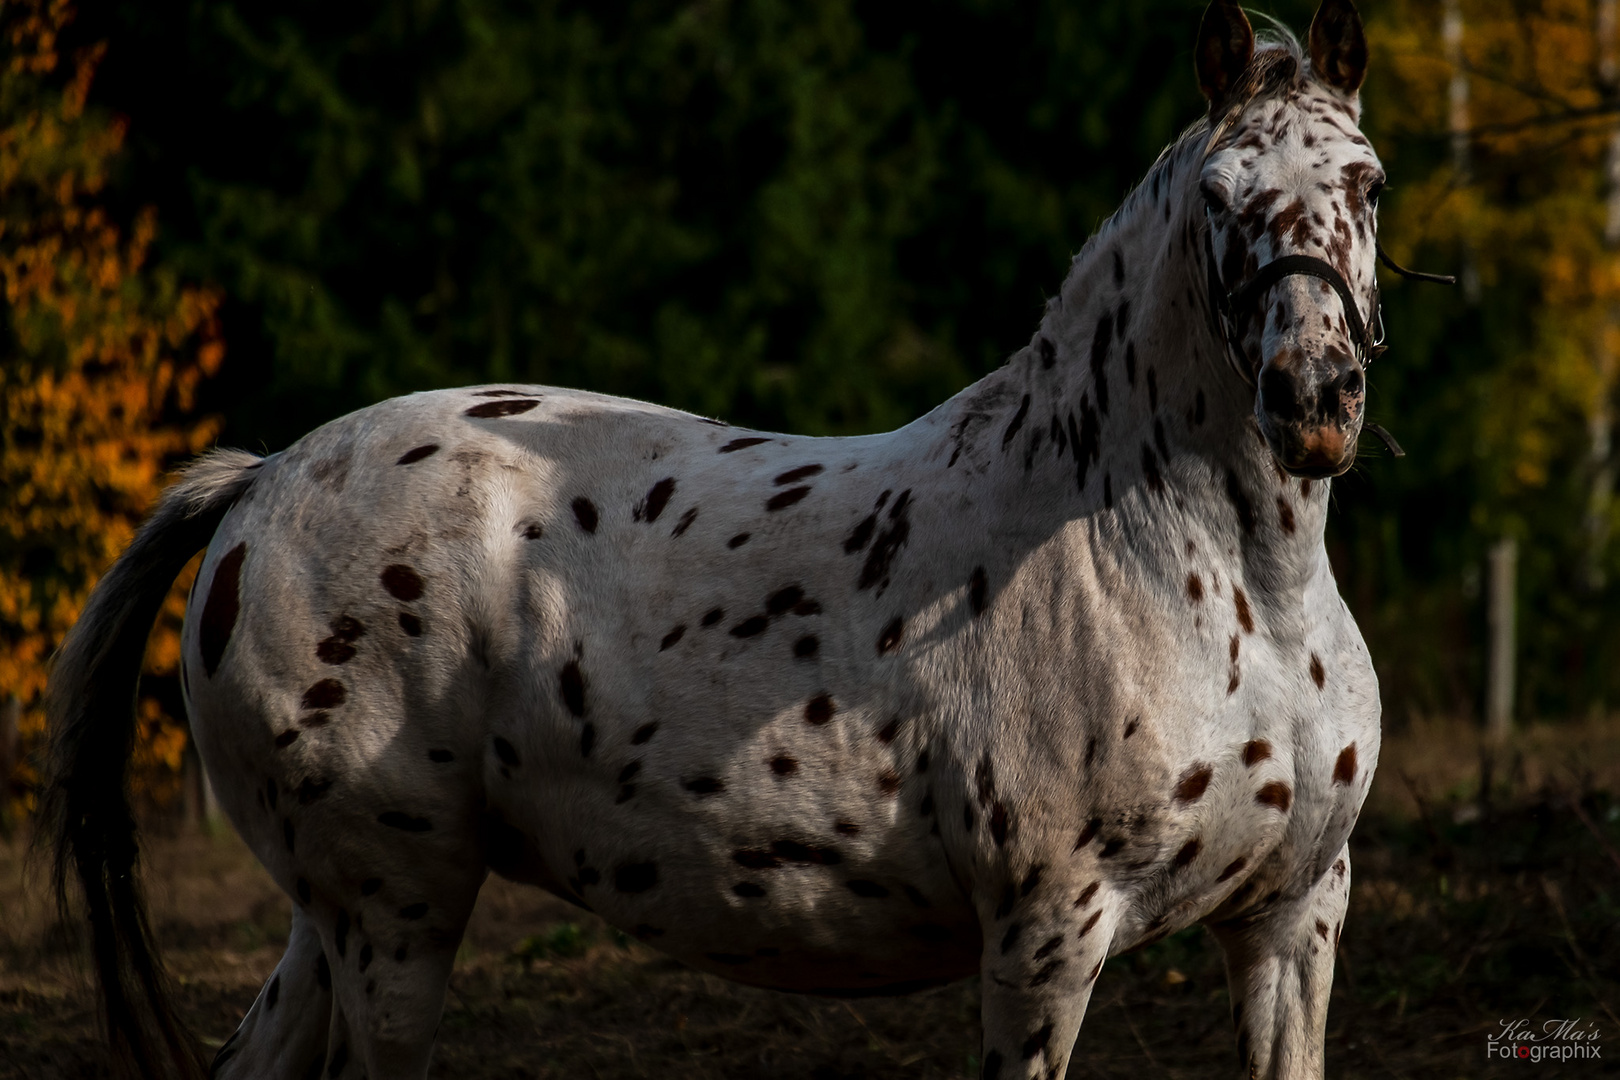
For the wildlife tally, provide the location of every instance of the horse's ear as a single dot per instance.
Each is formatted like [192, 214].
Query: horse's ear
[1338, 45]
[1225, 47]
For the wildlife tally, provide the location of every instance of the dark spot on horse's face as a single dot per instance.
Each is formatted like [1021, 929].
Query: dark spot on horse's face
[793, 476]
[411, 457]
[530, 530]
[441, 757]
[819, 709]
[220, 609]
[754, 624]
[1189, 851]
[410, 624]
[1048, 353]
[806, 647]
[1233, 869]
[303, 890]
[402, 582]
[643, 733]
[888, 783]
[748, 889]
[316, 719]
[1009, 897]
[326, 694]
[783, 600]
[672, 637]
[976, 591]
[571, 682]
[323, 972]
[887, 732]
[490, 410]
[587, 739]
[889, 639]
[1256, 751]
[414, 911]
[1318, 674]
[628, 773]
[657, 498]
[585, 513]
[992, 1066]
[286, 738]
[1150, 470]
[998, 824]
[1032, 880]
[1110, 849]
[1049, 948]
[635, 877]
[685, 523]
[1344, 770]
[1037, 1041]
[1277, 794]
[1085, 898]
[505, 751]
[1131, 726]
[869, 889]
[1091, 751]
[782, 765]
[704, 785]
[287, 834]
[712, 616]
[397, 819]
[1088, 834]
[1195, 588]
[1010, 938]
[741, 444]
[738, 541]
[1193, 783]
[370, 886]
[1244, 615]
[783, 499]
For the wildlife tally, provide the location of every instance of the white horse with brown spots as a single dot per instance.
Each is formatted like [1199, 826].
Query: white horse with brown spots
[1053, 672]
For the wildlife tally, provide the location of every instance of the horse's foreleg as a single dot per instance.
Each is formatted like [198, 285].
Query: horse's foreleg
[1042, 956]
[1279, 967]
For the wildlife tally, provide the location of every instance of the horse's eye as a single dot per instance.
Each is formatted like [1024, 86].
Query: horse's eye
[1373, 191]
[1213, 202]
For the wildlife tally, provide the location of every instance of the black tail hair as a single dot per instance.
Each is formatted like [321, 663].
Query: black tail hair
[85, 814]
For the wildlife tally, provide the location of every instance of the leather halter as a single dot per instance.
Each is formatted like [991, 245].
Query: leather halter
[1227, 303]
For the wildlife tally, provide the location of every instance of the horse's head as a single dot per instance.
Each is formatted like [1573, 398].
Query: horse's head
[1291, 194]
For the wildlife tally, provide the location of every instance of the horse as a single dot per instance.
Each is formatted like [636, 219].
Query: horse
[1052, 672]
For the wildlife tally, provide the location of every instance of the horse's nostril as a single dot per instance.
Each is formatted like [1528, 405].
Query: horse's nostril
[1278, 395]
[1353, 382]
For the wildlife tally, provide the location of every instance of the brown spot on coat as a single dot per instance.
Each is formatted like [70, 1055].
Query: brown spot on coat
[1193, 783]
[410, 624]
[1244, 615]
[643, 733]
[326, 694]
[1344, 770]
[220, 609]
[1240, 502]
[585, 513]
[806, 647]
[1195, 588]
[402, 582]
[976, 591]
[1087, 834]
[635, 877]
[1255, 751]
[793, 476]
[411, 457]
[1285, 515]
[1232, 869]
[998, 824]
[743, 443]
[1318, 675]
[704, 785]
[1277, 794]
[784, 499]
[571, 683]
[490, 410]
[1189, 851]
[657, 498]
[749, 627]
[685, 523]
[819, 709]
[782, 765]
[286, 738]
[672, 637]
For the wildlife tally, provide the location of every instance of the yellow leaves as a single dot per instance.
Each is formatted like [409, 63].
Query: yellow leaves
[101, 363]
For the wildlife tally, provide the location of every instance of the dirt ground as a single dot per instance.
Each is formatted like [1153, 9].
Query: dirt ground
[1462, 916]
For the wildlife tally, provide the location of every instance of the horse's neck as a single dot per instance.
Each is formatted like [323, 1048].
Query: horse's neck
[1123, 409]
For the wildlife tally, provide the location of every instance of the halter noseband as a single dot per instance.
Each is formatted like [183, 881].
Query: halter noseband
[1227, 303]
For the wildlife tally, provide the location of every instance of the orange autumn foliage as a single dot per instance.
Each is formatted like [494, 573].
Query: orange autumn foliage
[101, 354]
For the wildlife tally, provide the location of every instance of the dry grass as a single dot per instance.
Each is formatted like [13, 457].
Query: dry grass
[1462, 915]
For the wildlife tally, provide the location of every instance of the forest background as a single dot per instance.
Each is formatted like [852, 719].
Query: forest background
[236, 220]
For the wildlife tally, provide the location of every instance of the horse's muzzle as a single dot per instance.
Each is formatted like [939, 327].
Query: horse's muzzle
[1311, 412]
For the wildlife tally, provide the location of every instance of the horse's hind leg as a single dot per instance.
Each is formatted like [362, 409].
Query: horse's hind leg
[286, 1028]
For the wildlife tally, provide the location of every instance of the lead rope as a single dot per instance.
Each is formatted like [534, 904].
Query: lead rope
[1369, 343]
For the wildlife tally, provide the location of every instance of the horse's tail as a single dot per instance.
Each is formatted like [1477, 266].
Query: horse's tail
[84, 809]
